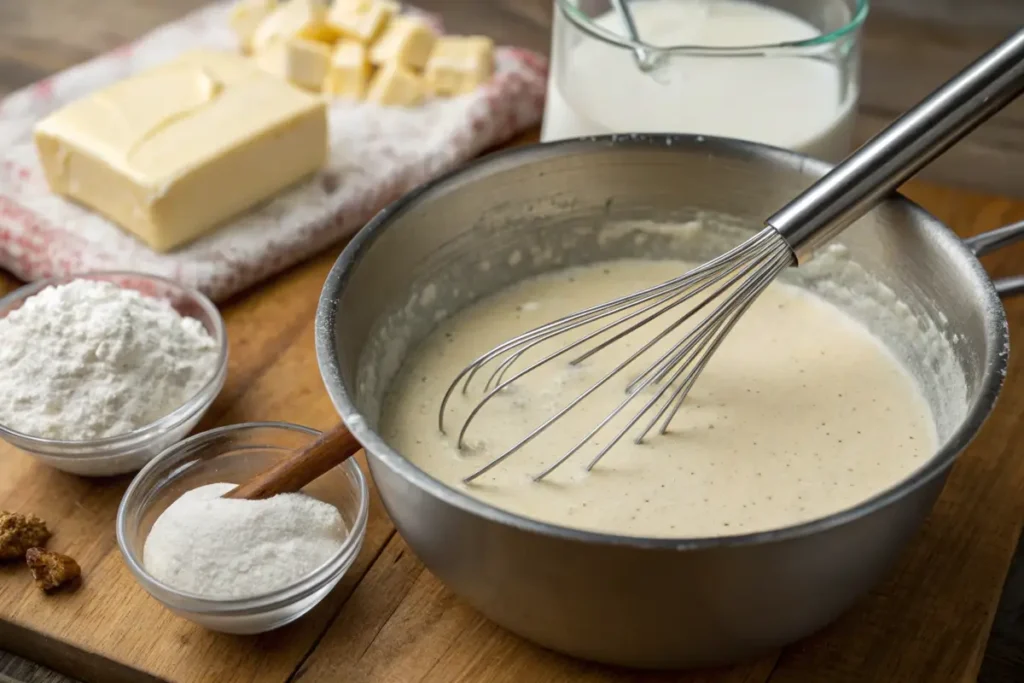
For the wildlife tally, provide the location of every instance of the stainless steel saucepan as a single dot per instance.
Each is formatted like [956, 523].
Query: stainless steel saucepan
[634, 601]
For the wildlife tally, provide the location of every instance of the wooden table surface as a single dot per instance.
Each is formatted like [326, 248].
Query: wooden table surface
[390, 620]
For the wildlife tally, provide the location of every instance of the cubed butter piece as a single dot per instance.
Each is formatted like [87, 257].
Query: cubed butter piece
[349, 71]
[297, 60]
[395, 85]
[246, 16]
[172, 152]
[458, 64]
[362, 20]
[407, 41]
[294, 19]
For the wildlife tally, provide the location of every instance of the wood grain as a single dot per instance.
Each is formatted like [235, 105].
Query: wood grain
[390, 620]
[272, 375]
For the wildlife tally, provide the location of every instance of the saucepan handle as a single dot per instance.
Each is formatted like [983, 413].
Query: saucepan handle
[987, 242]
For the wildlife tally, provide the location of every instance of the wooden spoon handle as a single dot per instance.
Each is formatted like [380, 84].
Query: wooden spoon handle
[291, 474]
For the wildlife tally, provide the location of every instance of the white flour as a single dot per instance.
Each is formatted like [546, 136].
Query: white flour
[89, 360]
[228, 549]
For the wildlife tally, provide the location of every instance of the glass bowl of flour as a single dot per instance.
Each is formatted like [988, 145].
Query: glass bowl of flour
[211, 561]
[100, 372]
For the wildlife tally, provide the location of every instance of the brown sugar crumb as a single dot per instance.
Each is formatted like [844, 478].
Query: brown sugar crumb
[51, 570]
[18, 533]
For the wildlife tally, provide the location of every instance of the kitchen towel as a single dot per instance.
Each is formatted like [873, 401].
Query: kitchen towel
[377, 154]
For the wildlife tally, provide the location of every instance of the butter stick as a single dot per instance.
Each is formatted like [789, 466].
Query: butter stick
[175, 151]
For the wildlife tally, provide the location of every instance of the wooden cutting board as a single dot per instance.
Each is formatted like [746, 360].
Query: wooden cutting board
[390, 620]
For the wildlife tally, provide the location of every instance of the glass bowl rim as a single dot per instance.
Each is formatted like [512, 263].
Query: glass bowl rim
[140, 437]
[586, 24]
[256, 604]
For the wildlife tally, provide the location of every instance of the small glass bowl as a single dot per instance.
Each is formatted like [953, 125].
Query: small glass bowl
[128, 452]
[234, 454]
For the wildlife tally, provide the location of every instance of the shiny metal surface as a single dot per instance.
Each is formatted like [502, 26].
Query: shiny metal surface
[997, 239]
[898, 152]
[635, 601]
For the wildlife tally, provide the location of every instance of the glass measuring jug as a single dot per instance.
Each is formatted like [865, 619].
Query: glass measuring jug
[778, 72]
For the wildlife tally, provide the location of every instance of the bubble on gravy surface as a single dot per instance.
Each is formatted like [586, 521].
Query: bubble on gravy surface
[736, 460]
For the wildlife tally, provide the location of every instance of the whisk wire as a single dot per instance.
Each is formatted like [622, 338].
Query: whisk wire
[695, 334]
[681, 289]
[727, 285]
[507, 363]
[573, 404]
[555, 327]
[658, 293]
[684, 357]
[766, 274]
[497, 389]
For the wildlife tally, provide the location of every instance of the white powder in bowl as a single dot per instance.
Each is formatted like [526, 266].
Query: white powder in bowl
[89, 360]
[224, 549]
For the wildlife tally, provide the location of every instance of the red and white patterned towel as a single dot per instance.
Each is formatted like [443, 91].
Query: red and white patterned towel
[377, 154]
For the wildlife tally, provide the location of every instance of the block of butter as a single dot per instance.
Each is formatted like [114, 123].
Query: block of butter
[170, 153]
[458, 64]
[349, 71]
[395, 85]
[300, 61]
[407, 41]
[246, 16]
[362, 20]
[294, 19]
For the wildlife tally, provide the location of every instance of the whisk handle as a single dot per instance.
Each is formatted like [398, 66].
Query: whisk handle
[857, 184]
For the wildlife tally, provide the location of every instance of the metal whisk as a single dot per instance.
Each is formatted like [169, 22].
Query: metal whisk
[713, 297]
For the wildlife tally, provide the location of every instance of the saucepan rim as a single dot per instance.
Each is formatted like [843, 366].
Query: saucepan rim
[994, 316]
